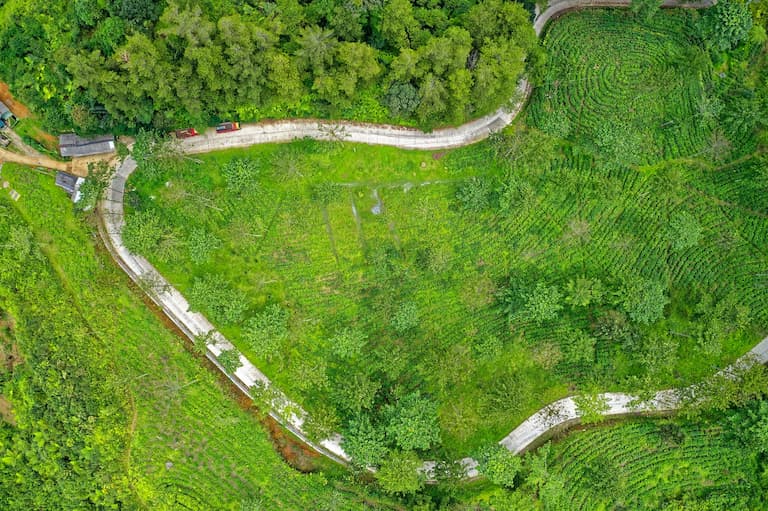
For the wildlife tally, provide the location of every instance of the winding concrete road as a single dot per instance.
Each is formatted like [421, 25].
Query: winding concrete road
[247, 377]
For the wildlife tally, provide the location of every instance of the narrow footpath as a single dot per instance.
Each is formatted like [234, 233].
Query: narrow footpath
[34, 161]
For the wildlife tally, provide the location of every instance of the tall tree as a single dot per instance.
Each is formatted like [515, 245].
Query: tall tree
[398, 26]
[317, 48]
[399, 473]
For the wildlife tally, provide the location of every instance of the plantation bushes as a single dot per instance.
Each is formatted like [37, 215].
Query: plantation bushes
[632, 92]
[374, 272]
[221, 302]
[500, 276]
[644, 465]
[111, 410]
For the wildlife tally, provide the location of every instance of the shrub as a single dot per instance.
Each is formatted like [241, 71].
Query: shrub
[143, 234]
[99, 175]
[229, 360]
[326, 193]
[240, 174]
[406, 317]
[213, 295]
[488, 347]
[614, 326]
[644, 300]
[348, 343]
[684, 231]
[399, 473]
[201, 244]
[659, 354]
[266, 332]
[474, 195]
[412, 422]
[499, 465]
[583, 292]
[543, 303]
[580, 347]
[726, 24]
[364, 442]
[591, 408]
[402, 99]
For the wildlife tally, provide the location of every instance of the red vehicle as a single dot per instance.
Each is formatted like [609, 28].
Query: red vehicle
[186, 133]
[224, 127]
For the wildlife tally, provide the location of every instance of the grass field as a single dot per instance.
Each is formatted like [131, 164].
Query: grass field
[598, 253]
[189, 445]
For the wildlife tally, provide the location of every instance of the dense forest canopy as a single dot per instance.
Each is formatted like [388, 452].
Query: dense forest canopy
[109, 64]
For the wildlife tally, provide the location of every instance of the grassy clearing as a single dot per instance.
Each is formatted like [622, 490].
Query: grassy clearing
[188, 443]
[338, 265]
[572, 215]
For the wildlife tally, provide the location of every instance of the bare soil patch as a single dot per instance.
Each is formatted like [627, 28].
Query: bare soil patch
[18, 109]
[6, 411]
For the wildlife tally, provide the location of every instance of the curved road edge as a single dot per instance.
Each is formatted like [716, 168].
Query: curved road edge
[247, 376]
[176, 307]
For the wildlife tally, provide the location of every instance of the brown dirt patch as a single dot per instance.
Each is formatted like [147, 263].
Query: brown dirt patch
[45, 138]
[10, 356]
[295, 453]
[6, 411]
[19, 110]
[32, 161]
[79, 166]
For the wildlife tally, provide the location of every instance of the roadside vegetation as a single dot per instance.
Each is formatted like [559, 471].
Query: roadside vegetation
[101, 405]
[429, 302]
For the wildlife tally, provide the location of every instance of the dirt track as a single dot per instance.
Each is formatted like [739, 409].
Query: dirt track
[35, 161]
[77, 167]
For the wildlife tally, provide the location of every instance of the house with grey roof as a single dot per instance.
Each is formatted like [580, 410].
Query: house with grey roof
[6, 116]
[70, 184]
[72, 145]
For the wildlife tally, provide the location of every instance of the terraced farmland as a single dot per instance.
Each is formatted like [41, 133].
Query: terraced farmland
[464, 289]
[645, 465]
[641, 465]
[171, 435]
[634, 90]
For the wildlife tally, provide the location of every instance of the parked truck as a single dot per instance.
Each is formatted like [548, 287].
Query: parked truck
[7, 119]
[225, 127]
[185, 133]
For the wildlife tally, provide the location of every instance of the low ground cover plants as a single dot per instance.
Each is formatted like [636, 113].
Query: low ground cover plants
[706, 464]
[101, 406]
[484, 282]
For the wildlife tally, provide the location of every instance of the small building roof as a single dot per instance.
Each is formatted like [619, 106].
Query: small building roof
[66, 181]
[5, 112]
[72, 145]
[71, 184]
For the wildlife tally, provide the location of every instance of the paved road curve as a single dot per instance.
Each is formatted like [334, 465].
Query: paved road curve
[558, 414]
